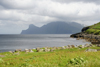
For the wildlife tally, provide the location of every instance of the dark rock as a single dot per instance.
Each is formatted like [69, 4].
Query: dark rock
[72, 46]
[98, 49]
[69, 46]
[18, 50]
[37, 49]
[98, 45]
[85, 28]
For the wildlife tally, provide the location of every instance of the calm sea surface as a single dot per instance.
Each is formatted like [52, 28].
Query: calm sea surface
[12, 42]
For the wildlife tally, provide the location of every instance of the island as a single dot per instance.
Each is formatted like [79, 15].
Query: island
[58, 27]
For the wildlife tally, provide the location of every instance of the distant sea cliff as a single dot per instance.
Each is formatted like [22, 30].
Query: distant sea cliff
[58, 27]
[89, 33]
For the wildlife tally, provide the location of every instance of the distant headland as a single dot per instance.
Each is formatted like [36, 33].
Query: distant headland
[57, 27]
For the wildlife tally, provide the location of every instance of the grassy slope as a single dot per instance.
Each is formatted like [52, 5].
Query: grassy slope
[58, 58]
[94, 29]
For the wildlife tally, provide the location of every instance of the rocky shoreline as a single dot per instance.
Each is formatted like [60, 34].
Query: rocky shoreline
[51, 49]
[94, 39]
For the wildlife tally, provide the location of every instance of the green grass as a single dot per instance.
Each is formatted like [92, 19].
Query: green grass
[58, 58]
[94, 29]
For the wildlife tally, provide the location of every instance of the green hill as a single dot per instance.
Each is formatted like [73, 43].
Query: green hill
[94, 29]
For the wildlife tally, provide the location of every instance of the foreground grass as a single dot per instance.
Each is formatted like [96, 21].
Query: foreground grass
[58, 58]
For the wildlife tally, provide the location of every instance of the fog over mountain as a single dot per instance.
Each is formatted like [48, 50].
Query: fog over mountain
[58, 27]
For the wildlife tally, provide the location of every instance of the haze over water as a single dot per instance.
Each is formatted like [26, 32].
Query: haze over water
[12, 42]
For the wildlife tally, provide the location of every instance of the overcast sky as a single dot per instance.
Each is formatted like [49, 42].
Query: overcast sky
[16, 15]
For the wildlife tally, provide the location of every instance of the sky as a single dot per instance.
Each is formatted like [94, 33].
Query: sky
[17, 15]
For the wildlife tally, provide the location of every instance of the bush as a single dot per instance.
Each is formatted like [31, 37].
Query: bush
[26, 65]
[76, 61]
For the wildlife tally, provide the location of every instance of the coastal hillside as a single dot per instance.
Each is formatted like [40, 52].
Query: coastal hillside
[94, 29]
[90, 33]
[54, 28]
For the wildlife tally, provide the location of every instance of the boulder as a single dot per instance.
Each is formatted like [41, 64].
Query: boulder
[18, 50]
[54, 48]
[91, 50]
[87, 45]
[66, 47]
[40, 50]
[76, 46]
[51, 50]
[63, 47]
[30, 50]
[58, 48]
[46, 50]
[26, 50]
[37, 48]
[72, 46]
[11, 52]
[98, 45]
[69, 46]
[81, 46]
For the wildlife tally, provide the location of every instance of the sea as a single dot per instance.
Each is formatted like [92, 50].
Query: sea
[32, 41]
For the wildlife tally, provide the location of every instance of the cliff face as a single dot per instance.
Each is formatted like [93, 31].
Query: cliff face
[54, 28]
[90, 33]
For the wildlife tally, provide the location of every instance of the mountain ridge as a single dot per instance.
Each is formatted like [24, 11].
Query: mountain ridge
[57, 27]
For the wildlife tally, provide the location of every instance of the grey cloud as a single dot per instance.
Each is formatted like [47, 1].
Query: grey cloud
[17, 4]
[86, 1]
[15, 14]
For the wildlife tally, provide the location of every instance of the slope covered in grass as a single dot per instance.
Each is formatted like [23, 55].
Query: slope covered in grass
[94, 29]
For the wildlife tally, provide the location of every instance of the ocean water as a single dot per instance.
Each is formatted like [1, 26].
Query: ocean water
[12, 42]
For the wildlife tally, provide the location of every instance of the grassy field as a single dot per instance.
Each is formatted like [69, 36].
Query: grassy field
[73, 57]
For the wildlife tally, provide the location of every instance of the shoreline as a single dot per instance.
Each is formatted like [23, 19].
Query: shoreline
[94, 39]
[50, 49]
[68, 46]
